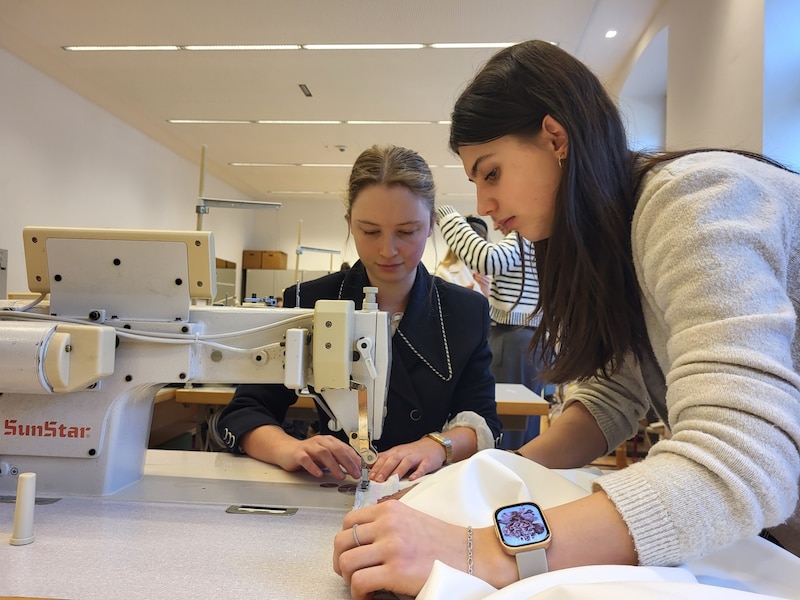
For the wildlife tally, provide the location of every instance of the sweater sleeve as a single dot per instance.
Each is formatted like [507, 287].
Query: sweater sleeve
[484, 257]
[710, 251]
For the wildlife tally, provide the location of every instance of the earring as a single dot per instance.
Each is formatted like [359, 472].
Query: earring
[560, 166]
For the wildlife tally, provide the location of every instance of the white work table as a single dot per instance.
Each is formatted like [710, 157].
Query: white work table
[169, 536]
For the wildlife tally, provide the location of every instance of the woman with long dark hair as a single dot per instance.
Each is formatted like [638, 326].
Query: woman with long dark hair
[668, 282]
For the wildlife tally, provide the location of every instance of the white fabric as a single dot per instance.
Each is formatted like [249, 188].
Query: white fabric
[468, 492]
[375, 491]
[489, 479]
[583, 583]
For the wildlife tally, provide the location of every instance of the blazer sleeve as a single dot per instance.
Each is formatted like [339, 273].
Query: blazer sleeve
[474, 389]
[253, 405]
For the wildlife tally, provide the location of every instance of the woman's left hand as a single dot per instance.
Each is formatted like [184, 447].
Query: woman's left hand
[390, 546]
[415, 460]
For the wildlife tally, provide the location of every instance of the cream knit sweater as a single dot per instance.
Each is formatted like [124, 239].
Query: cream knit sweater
[716, 247]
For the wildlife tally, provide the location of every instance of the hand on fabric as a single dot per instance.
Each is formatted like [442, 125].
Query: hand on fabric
[394, 548]
[317, 453]
[415, 460]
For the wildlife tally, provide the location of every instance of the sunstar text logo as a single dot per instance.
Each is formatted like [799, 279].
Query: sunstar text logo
[48, 429]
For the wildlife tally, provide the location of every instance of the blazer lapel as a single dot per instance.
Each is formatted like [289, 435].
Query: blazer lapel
[422, 328]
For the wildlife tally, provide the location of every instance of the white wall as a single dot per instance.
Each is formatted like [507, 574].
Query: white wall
[732, 77]
[65, 162]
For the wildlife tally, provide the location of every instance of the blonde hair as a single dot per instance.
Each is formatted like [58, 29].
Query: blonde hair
[391, 165]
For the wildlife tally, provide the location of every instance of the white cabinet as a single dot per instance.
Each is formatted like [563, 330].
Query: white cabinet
[226, 287]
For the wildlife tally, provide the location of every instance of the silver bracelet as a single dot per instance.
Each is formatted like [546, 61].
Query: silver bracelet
[469, 549]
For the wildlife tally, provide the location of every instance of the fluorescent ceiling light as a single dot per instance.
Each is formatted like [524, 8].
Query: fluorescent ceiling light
[301, 193]
[363, 46]
[293, 122]
[117, 48]
[461, 45]
[325, 165]
[208, 121]
[254, 164]
[391, 122]
[280, 47]
[224, 203]
[244, 47]
[297, 122]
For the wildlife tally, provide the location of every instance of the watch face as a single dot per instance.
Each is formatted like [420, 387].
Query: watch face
[521, 525]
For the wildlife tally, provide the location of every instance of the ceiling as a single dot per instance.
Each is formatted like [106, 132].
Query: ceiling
[148, 88]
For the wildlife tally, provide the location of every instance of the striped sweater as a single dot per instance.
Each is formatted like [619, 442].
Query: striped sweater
[514, 291]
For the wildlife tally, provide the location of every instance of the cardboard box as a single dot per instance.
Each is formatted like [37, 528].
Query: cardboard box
[273, 259]
[251, 259]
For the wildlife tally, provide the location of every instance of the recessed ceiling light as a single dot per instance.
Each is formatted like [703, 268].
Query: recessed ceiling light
[244, 47]
[281, 47]
[293, 122]
[209, 121]
[460, 45]
[254, 164]
[336, 165]
[611, 33]
[117, 48]
[363, 46]
[297, 122]
[301, 193]
[391, 122]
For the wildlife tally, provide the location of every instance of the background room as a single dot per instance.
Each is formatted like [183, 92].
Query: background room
[114, 139]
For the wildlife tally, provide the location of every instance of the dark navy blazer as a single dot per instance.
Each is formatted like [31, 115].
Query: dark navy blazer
[440, 362]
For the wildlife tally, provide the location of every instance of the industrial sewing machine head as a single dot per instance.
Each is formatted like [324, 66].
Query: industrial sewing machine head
[78, 375]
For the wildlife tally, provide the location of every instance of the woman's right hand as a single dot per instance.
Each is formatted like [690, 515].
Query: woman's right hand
[271, 444]
[394, 548]
[319, 453]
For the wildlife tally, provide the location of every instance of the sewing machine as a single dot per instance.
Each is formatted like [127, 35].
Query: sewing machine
[128, 313]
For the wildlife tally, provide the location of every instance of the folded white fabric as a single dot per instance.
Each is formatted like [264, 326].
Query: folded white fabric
[375, 491]
[468, 492]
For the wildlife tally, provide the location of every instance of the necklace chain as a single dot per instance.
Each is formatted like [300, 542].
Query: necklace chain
[444, 338]
[415, 351]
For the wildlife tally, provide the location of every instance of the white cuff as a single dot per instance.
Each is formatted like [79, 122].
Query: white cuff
[474, 421]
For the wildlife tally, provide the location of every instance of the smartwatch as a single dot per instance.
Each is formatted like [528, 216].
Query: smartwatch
[446, 443]
[523, 533]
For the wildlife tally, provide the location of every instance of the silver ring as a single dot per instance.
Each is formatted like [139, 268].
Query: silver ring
[355, 535]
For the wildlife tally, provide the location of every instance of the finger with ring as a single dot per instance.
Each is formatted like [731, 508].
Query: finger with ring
[355, 536]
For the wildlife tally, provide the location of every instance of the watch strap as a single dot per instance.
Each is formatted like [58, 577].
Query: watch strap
[532, 562]
[446, 444]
